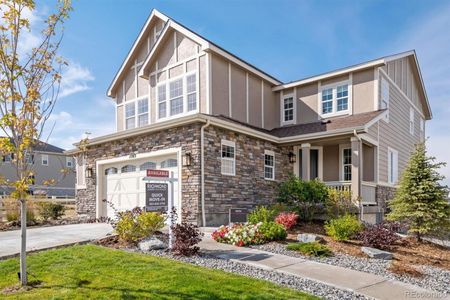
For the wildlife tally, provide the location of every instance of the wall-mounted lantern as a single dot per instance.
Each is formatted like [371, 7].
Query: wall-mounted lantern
[292, 158]
[187, 159]
[89, 172]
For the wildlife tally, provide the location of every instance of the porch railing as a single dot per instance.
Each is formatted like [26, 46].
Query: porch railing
[339, 185]
[368, 192]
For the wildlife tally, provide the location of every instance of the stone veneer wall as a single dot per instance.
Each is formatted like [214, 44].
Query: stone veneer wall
[187, 137]
[248, 188]
[383, 195]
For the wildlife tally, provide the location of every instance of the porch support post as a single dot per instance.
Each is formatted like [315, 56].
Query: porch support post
[356, 166]
[306, 162]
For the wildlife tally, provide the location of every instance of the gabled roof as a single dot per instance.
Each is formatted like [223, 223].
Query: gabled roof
[41, 146]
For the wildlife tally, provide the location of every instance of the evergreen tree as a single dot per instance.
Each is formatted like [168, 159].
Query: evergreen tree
[421, 201]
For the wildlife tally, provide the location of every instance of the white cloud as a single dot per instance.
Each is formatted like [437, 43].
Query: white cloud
[75, 79]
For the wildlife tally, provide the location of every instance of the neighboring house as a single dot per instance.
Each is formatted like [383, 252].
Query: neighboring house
[48, 162]
[240, 131]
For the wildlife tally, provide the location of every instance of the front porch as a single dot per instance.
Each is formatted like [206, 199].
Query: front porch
[343, 163]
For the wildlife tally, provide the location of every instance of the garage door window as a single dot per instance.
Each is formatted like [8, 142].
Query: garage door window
[128, 169]
[148, 165]
[169, 163]
[111, 171]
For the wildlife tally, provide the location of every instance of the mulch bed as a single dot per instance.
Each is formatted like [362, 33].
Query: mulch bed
[406, 251]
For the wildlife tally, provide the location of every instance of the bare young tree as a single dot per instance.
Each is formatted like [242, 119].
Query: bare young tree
[29, 86]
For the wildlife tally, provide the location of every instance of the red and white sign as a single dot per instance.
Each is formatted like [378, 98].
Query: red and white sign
[157, 173]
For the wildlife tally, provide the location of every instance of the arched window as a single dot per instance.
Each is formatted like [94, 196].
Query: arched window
[148, 165]
[128, 169]
[110, 171]
[169, 163]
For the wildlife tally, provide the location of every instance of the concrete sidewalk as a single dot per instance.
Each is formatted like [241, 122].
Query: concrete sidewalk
[360, 282]
[51, 237]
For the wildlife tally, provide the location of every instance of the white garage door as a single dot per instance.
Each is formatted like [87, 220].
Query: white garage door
[124, 187]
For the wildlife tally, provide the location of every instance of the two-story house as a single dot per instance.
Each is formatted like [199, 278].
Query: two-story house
[48, 163]
[231, 132]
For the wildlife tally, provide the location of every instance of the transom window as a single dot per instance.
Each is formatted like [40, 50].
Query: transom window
[288, 109]
[177, 96]
[148, 165]
[111, 171]
[269, 165]
[228, 158]
[335, 100]
[347, 164]
[133, 119]
[169, 163]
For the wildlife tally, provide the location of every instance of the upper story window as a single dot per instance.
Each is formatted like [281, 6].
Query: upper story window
[177, 96]
[44, 159]
[269, 165]
[228, 158]
[288, 109]
[335, 99]
[29, 158]
[69, 162]
[411, 120]
[133, 120]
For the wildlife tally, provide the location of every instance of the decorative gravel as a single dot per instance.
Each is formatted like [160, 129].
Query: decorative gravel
[436, 279]
[315, 288]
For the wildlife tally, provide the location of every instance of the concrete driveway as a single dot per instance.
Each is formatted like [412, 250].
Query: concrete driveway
[49, 237]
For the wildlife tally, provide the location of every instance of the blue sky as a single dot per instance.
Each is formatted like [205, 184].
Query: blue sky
[288, 39]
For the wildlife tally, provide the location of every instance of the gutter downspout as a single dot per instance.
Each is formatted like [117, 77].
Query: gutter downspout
[202, 163]
[361, 207]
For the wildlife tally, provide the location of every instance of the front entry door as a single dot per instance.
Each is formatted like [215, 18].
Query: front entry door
[314, 163]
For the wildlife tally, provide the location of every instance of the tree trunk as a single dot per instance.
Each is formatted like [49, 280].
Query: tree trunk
[23, 244]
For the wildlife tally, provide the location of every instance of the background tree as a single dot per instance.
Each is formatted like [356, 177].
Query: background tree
[421, 201]
[29, 86]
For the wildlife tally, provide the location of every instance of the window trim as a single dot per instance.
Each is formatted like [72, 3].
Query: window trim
[167, 82]
[342, 147]
[392, 181]
[412, 123]
[80, 169]
[136, 114]
[333, 86]
[46, 159]
[269, 153]
[283, 96]
[69, 159]
[229, 144]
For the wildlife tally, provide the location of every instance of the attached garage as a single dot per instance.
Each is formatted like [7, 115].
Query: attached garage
[122, 184]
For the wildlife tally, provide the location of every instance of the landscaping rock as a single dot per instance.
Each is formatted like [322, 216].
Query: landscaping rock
[151, 244]
[377, 253]
[308, 238]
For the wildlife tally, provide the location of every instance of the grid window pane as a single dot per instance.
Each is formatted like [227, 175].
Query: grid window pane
[342, 97]
[342, 104]
[176, 88]
[228, 160]
[142, 106]
[268, 173]
[342, 91]
[268, 166]
[288, 109]
[327, 107]
[161, 93]
[191, 85]
[347, 164]
[327, 101]
[176, 106]
[327, 95]
[130, 110]
[143, 120]
[347, 173]
[192, 102]
[162, 110]
[130, 123]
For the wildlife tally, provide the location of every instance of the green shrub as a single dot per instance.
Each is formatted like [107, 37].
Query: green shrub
[50, 210]
[339, 203]
[262, 214]
[273, 231]
[136, 224]
[12, 216]
[306, 197]
[343, 228]
[312, 248]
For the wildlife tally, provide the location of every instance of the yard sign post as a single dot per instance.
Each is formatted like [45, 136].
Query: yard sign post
[157, 194]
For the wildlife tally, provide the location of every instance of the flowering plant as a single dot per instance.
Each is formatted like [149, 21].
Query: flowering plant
[287, 219]
[239, 234]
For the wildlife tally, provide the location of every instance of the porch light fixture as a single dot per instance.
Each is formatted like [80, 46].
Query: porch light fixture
[292, 158]
[187, 159]
[89, 172]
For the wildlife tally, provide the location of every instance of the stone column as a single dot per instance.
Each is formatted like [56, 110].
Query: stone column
[356, 166]
[306, 162]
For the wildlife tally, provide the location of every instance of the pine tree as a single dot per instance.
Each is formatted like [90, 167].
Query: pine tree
[421, 201]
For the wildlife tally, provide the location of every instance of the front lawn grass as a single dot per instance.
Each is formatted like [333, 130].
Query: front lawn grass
[89, 271]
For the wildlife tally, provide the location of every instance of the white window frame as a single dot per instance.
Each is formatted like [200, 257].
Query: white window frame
[411, 121]
[166, 83]
[334, 100]
[69, 160]
[80, 172]
[44, 157]
[392, 166]
[341, 160]
[294, 109]
[269, 153]
[136, 113]
[222, 159]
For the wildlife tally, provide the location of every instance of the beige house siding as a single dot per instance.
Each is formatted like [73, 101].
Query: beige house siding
[271, 107]
[363, 91]
[203, 82]
[395, 133]
[307, 97]
[220, 88]
[238, 94]
[368, 163]
[254, 101]
[331, 163]
[120, 118]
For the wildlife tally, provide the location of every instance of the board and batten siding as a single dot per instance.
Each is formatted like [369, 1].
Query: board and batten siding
[242, 95]
[395, 132]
